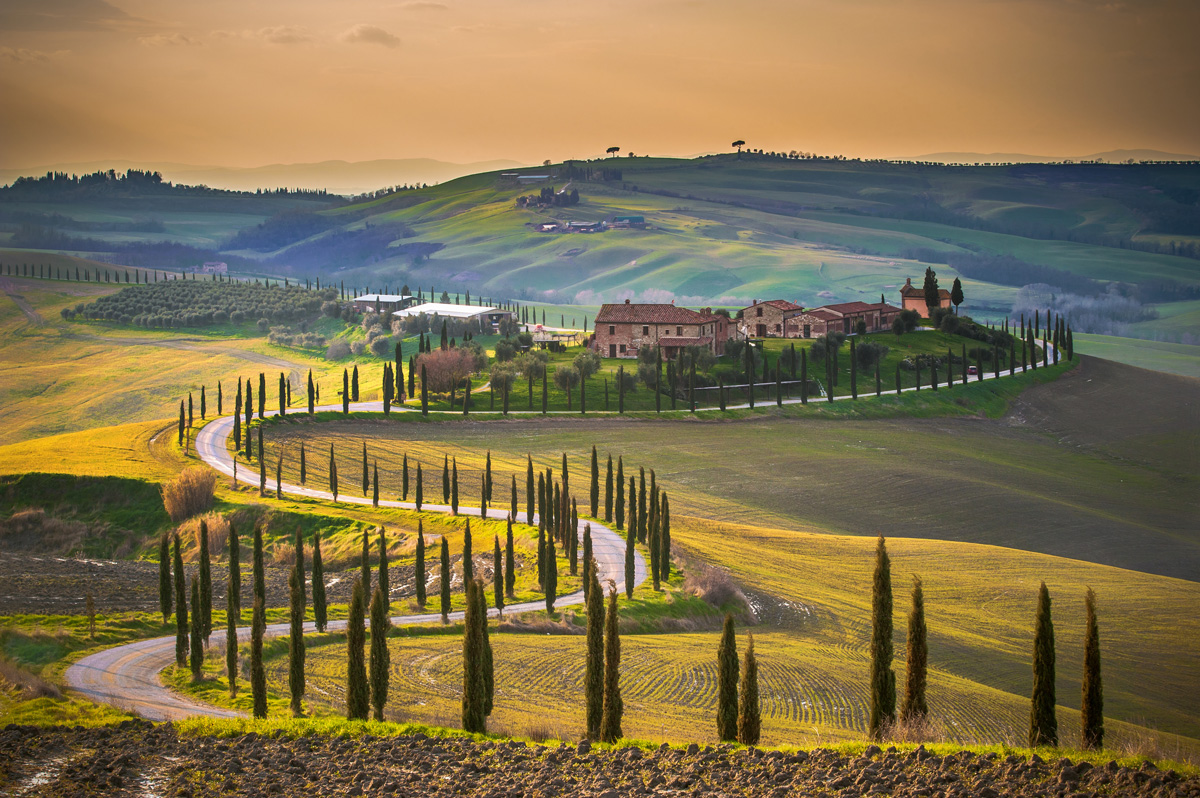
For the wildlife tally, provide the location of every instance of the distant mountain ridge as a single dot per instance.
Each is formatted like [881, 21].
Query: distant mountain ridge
[339, 177]
[1112, 156]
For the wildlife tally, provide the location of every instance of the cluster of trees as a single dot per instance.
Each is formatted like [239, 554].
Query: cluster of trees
[58, 186]
[548, 197]
[1043, 723]
[286, 336]
[197, 303]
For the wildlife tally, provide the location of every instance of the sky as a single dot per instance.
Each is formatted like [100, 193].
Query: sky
[238, 83]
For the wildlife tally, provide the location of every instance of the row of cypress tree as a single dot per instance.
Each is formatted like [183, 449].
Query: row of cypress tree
[1043, 724]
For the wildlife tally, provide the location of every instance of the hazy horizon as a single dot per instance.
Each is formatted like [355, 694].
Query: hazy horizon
[247, 85]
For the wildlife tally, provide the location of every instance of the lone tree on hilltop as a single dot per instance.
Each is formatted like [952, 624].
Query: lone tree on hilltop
[357, 693]
[739, 144]
[915, 708]
[883, 679]
[749, 724]
[1043, 724]
[727, 683]
[612, 151]
[1092, 706]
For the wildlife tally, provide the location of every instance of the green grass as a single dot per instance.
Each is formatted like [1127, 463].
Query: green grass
[1182, 359]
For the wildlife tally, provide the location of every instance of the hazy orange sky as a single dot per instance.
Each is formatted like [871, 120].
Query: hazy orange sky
[243, 83]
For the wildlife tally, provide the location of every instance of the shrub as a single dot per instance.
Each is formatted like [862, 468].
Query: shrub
[446, 368]
[189, 494]
[358, 347]
[860, 327]
[337, 350]
[381, 346]
[816, 350]
[503, 378]
[869, 353]
[505, 350]
[264, 324]
[586, 363]
[533, 362]
[910, 319]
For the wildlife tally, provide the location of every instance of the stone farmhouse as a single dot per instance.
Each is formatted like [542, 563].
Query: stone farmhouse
[843, 318]
[913, 298]
[766, 319]
[622, 329]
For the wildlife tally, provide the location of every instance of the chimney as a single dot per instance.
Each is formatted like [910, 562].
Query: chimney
[755, 302]
[626, 301]
[908, 283]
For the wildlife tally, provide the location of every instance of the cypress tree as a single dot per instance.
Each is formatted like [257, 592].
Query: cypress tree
[445, 581]
[573, 539]
[296, 641]
[878, 381]
[354, 384]
[404, 478]
[487, 477]
[189, 412]
[528, 489]
[473, 693]
[258, 675]
[727, 683]
[630, 541]
[333, 480]
[312, 394]
[619, 511]
[181, 610]
[202, 403]
[357, 692]
[417, 500]
[551, 574]
[883, 679]
[664, 538]
[593, 679]
[514, 504]
[608, 492]
[454, 486]
[318, 583]
[164, 576]
[262, 464]
[420, 577]
[545, 390]
[384, 584]
[483, 498]
[915, 707]
[587, 559]
[380, 656]
[375, 484]
[498, 576]
[510, 567]
[220, 399]
[182, 422]
[303, 466]
[803, 376]
[231, 641]
[446, 478]
[237, 421]
[641, 505]
[204, 619]
[610, 722]
[595, 487]
[749, 723]
[365, 564]
[283, 388]
[345, 391]
[1091, 714]
[468, 556]
[257, 573]
[196, 657]
[412, 377]
[1043, 724]
[262, 394]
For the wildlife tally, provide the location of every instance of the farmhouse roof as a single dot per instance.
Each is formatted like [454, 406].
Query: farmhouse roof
[382, 297]
[781, 304]
[848, 308]
[448, 311]
[909, 289]
[627, 313]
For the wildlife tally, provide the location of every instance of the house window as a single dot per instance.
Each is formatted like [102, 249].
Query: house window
[612, 329]
[758, 311]
[645, 330]
[778, 327]
[679, 331]
[622, 349]
[807, 330]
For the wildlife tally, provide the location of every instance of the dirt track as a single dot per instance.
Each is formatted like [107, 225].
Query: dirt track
[138, 759]
[9, 288]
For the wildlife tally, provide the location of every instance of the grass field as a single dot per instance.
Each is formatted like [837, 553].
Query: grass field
[1182, 359]
[813, 598]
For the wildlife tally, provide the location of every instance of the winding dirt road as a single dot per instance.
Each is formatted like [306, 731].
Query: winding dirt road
[128, 676]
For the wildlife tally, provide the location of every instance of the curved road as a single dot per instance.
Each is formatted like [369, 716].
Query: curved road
[128, 676]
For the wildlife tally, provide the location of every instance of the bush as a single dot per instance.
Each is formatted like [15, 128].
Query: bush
[586, 363]
[648, 374]
[910, 319]
[505, 350]
[358, 347]
[503, 377]
[189, 494]
[337, 350]
[533, 362]
[816, 350]
[860, 327]
[264, 325]
[448, 368]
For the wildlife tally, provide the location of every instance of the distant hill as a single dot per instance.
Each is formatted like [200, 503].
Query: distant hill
[337, 177]
[1112, 156]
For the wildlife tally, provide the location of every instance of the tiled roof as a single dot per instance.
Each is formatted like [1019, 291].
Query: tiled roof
[912, 290]
[858, 307]
[648, 314]
[781, 304]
